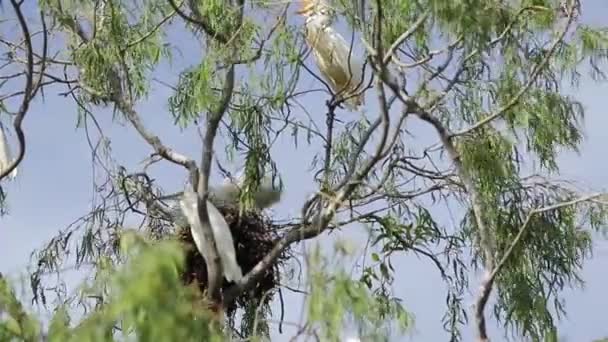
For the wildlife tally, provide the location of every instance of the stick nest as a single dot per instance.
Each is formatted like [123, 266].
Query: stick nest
[254, 237]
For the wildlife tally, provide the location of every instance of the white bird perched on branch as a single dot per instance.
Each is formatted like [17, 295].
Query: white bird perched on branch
[5, 154]
[333, 56]
[268, 193]
[221, 234]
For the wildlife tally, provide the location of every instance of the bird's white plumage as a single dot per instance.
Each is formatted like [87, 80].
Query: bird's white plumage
[221, 234]
[5, 154]
[269, 191]
[342, 70]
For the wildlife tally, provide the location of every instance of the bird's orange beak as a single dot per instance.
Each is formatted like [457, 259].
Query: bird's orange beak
[306, 7]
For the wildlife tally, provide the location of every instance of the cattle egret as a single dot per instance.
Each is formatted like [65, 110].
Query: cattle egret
[333, 56]
[221, 234]
[5, 154]
[269, 191]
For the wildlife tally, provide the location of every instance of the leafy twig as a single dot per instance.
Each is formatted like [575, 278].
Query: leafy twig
[490, 274]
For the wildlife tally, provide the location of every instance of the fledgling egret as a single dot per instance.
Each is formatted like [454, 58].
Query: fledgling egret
[269, 191]
[221, 234]
[333, 56]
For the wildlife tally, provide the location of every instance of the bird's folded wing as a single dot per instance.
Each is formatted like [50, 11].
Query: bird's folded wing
[5, 154]
[221, 234]
[189, 206]
[224, 243]
[336, 60]
[342, 51]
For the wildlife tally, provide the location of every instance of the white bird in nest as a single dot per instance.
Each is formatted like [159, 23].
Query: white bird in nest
[333, 56]
[268, 193]
[5, 154]
[221, 234]
[226, 194]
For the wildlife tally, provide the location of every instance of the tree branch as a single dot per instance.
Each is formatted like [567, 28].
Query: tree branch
[27, 93]
[490, 274]
[201, 22]
[201, 186]
[153, 140]
[201, 182]
[404, 36]
[411, 106]
[533, 76]
[323, 217]
[126, 106]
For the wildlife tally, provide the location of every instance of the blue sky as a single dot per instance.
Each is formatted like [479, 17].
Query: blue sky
[54, 188]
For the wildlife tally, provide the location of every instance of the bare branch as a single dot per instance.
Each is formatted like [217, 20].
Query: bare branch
[151, 32]
[152, 139]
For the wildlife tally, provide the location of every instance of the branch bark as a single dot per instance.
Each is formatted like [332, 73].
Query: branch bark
[201, 186]
[27, 93]
[199, 21]
[153, 140]
[200, 183]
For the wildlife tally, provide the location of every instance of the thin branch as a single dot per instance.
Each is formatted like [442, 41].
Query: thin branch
[152, 139]
[199, 22]
[151, 32]
[490, 274]
[410, 31]
[127, 108]
[258, 53]
[330, 119]
[43, 61]
[533, 76]
[421, 61]
[27, 94]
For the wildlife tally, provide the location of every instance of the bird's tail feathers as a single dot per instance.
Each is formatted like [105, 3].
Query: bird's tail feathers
[232, 270]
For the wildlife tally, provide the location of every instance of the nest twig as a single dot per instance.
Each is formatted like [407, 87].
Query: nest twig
[253, 236]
